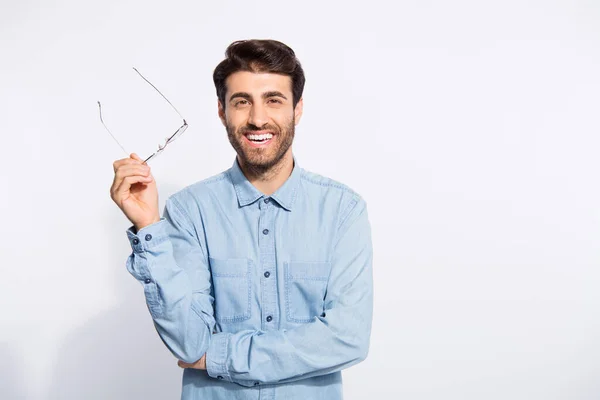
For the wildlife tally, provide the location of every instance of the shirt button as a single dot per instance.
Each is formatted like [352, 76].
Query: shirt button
[267, 274]
[265, 232]
[136, 241]
[148, 280]
[256, 383]
[148, 237]
[267, 200]
[219, 377]
[269, 318]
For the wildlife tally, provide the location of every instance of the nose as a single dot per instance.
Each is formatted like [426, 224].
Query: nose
[258, 115]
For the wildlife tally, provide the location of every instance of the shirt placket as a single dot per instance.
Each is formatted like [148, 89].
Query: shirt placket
[269, 309]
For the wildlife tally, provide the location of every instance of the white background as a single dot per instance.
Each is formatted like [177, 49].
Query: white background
[470, 127]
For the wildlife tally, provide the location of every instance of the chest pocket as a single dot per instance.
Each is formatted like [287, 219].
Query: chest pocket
[232, 288]
[305, 286]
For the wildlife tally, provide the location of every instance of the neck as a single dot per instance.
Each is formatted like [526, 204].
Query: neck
[268, 181]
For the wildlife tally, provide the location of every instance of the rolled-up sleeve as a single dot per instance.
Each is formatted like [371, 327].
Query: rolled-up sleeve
[170, 263]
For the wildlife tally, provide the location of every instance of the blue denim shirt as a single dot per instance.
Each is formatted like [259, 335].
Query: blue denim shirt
[276, 290]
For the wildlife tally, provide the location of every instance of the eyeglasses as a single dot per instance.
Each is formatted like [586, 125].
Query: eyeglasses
[168, 140]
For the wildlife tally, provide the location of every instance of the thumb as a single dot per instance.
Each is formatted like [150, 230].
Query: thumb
[136, 157]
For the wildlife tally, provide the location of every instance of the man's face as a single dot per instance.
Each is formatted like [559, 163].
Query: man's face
[259, 117]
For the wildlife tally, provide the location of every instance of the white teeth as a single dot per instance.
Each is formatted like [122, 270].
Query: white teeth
[265, 136]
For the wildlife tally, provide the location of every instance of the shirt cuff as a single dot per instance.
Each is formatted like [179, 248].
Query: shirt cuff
[216, 356]
[148, 236]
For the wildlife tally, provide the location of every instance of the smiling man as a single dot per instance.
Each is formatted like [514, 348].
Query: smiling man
[258, 279]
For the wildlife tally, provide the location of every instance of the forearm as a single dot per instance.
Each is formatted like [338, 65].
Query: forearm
[329, 343]
[180, 308]
[247, 357]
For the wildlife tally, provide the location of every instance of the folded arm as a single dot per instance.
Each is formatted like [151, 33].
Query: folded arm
[332, 341]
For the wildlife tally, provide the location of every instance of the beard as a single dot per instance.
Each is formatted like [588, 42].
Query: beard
[262, 160]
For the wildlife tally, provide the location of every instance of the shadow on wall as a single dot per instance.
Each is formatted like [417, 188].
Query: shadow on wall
[117, 355]
[12, 382]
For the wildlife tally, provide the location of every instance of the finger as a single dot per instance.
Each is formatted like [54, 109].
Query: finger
[125, 161]
[137, 158]
[129, 181]
[130, 170]
[182, 364]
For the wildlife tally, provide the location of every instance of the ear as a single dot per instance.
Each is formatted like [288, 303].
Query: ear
[221, 113]
[298, 110]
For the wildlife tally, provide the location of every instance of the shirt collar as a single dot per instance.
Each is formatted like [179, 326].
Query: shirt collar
[248, 194]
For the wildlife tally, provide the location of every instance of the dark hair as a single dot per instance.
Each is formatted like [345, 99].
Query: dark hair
[257, 55]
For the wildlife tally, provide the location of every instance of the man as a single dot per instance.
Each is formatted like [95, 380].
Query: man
[259, 279]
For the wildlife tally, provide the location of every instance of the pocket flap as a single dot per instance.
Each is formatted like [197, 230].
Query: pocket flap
[301, 270]
[231, 267]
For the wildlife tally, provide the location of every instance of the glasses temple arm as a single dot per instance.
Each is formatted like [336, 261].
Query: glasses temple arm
[108, 130]
[159, 92]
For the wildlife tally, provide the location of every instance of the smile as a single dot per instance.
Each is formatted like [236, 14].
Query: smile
[259, 139]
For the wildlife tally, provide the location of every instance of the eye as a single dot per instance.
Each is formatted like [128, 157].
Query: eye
[237, 103]
[275, 100]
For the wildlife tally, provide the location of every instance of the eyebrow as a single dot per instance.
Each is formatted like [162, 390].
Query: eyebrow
[265, 95]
